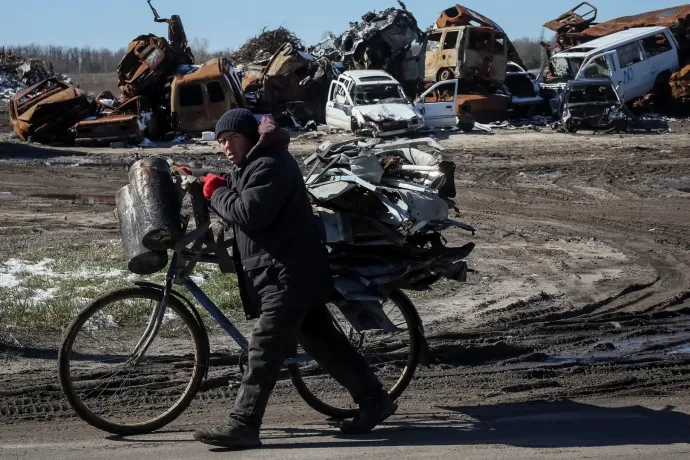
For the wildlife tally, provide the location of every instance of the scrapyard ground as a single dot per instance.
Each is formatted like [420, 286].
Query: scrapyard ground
[573, 331]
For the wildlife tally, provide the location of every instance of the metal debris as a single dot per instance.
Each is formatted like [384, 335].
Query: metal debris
[18, 73]
[383, 206]
[45, 111]
[384, 41]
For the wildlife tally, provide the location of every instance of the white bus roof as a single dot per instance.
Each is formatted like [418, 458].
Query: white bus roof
[614, 39]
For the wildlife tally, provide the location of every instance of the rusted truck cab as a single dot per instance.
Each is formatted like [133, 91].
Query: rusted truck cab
[466, 51]
[200, 98]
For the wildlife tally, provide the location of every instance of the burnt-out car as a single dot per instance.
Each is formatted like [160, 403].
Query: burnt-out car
[590, 104]
[46, 111]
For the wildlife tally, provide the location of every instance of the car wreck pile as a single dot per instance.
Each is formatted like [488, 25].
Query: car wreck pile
[461, 71]
[645, 59]
[383, 206]
[161, 92]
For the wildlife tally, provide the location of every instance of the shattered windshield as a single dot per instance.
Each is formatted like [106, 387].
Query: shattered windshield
[565, 68]
[377, 94]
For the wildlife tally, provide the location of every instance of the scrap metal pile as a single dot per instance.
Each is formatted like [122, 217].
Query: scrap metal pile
[383, 206]
[18, 73]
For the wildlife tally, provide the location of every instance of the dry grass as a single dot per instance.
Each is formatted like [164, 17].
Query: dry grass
[96, 83]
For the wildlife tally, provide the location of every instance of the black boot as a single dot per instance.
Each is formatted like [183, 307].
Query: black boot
[232, 436]
[371, 413]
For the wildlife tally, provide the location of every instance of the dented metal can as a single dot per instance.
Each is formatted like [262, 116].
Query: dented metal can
[149, 213]
[140, 260]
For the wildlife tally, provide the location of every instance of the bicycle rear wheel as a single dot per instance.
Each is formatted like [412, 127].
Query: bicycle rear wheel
[392, 356]
[111, 391]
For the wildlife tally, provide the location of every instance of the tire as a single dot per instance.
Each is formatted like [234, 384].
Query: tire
[410, 315]
[150, 389]
[445, 74]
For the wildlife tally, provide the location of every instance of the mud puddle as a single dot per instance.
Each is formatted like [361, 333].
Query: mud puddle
[681, 186]
[91, 198]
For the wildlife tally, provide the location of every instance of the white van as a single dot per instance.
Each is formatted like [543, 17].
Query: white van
[634, 59]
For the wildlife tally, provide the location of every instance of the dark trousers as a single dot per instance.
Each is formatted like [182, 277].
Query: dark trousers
[272, 341]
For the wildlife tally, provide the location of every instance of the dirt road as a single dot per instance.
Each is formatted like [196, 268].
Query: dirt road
[579, 300]
[536, 430]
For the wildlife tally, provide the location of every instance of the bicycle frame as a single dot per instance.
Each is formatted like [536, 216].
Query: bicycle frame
[200, 238]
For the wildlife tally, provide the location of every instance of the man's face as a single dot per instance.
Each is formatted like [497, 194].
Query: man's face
[235, 146]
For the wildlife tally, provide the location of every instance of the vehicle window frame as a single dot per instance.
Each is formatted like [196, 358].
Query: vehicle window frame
[650, 55]
[627, 63]
[209, 92]
[186, 87]
[445, 45]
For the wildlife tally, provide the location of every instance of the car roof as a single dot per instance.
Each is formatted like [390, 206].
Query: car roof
[370, 76]
[614, 39]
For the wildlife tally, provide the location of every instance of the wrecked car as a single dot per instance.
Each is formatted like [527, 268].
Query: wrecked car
[132, 121]
[589, 103]
[577, 26]
[372, 102]
[636, 60]
[524, 89]
[201, 95]
[462, 102]
[390, 41]
[293, 75]
[456, 52]
[46, 111]
[379, 39]
[466, 44]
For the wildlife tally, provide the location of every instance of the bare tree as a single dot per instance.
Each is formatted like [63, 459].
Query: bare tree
[530, 50]
[200, 48]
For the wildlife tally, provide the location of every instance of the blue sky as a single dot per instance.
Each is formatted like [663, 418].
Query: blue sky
[228, 23]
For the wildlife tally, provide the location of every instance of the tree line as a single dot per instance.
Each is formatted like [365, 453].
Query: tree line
[72, 60]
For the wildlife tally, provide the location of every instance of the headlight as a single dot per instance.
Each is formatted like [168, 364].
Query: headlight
[617, 116]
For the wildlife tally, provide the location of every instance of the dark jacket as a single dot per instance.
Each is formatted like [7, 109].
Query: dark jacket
[279, 253]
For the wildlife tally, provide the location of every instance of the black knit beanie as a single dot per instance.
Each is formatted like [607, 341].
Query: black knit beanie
[241, 121]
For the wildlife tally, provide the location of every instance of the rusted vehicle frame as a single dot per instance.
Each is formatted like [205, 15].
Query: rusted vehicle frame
[668, 17]
[463, 61]
[191, 117]
[131, 122]
[459, 15]
[571, 22]
[47, 110]
[148, 61]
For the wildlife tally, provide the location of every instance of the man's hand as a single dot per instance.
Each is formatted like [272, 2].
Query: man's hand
[186, 170]
[211, 184]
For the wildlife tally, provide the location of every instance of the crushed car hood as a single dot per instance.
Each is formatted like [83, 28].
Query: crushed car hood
[381, 112]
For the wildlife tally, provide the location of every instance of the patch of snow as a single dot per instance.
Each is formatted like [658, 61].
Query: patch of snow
[108, 102]
[197, 279]
[147, 143]
[42, 295]
[10, 270]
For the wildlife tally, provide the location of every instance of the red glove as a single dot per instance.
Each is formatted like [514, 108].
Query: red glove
[211, 184]
[185, 169]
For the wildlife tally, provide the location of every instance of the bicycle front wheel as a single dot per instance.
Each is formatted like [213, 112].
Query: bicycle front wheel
[393, 356]
[116, 393]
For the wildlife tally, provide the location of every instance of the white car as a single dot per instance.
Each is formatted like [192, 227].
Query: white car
[635, 60]
[371, 102]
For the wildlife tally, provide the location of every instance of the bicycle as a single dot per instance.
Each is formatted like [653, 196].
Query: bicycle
[146, 328]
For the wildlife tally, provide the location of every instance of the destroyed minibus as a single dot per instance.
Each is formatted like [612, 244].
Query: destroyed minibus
[636, 60]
